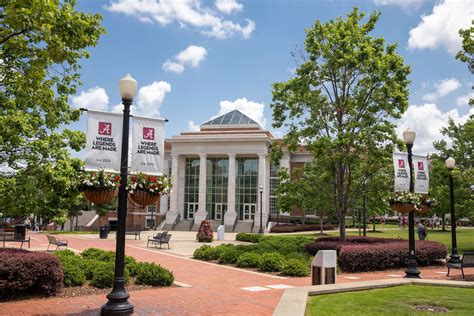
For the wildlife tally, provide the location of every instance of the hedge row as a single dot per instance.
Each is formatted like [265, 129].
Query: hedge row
[265, 258]
[97, 266]
[371, 254]
[300, 228]
[253, 238]
[24, 272]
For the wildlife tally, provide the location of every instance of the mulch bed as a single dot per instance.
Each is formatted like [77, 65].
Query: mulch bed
[81, 291]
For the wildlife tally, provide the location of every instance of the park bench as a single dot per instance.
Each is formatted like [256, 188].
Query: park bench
[7, 236]
[134, 231]
[467, 261]
[56, 241]
[160, 238]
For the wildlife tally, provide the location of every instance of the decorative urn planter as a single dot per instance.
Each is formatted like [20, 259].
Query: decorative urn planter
[99, 196]
[144, 198]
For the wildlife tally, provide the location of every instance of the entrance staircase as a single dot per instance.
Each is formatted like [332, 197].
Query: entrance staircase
[183, 225]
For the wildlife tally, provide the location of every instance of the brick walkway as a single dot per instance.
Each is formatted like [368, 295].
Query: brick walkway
[214, 289]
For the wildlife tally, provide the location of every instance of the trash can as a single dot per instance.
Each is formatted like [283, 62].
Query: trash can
[20, 231]
[104, 232]
[323, 267]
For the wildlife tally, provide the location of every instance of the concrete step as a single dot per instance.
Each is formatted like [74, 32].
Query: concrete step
[183, 225]
[243, 227]
[83, 220]
[215, 225]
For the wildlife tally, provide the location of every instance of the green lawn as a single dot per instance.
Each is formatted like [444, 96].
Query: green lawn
[399, 300]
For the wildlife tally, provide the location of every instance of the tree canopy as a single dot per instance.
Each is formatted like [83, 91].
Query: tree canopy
[342, 102]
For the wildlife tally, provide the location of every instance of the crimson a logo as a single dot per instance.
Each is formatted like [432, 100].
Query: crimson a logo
[105, 128]
[148, 133]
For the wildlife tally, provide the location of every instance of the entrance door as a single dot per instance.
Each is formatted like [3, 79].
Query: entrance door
[192, 208]
[249, 211]
[220, 211]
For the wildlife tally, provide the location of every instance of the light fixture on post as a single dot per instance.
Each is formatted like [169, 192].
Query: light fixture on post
[411, 271]
[260, 189]
[118, 299]
[454, 258]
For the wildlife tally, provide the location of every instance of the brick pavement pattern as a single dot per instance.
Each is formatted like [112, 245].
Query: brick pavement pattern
[215, 289]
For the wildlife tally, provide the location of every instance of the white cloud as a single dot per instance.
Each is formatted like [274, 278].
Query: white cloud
[441, 27]
[442, 88]
[464, 99]
[401, 3]
[173, 67]
[427, 120]
[191, 56]
[93, 99]
[185, 13]
[254, 110]
[228, 6]
[150, 98]
[193, 126]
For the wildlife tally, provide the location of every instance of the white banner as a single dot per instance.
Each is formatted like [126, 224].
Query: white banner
[148, 146]
[402, 172]
[104, 141]
[421, 173]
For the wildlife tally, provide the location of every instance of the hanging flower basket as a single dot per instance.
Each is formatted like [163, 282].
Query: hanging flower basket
[99, 196]
[144, 198]
[402, 207]
[99, 187]
[146, 190]
[423, 209]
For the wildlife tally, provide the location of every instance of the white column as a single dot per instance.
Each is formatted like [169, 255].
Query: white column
[173, 213]
[202, 213]
[262, 176]
[231, 214]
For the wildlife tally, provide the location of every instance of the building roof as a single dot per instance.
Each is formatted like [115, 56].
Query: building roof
[234, 118]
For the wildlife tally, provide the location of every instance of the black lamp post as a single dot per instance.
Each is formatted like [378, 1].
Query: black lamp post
[118, 299]
[411, 271]
[260, 189]
[454, 258]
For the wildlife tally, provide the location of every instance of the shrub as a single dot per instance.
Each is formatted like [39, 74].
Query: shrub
[153, 274]
[300, 228]
[249, 260]
[24, 272]
[204, 233]
[230, 255]
[314, 247]
[98, 254]
[103, 275]
[88, 266]
[271, 262]
[295, 267]
[253, 238]
[64, 253]
[73, 273]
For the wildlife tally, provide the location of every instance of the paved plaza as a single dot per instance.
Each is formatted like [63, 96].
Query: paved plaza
[202, 287]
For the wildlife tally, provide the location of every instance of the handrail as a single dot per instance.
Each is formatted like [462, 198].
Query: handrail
[235, 222]
[176, 221]
[162, 218]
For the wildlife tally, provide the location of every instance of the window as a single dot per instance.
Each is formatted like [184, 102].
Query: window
[274, 180]
[246, 187]
[191, 186]
[151, 209]
[216, 187]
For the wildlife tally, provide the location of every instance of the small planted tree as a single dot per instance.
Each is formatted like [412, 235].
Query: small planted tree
[204, 233]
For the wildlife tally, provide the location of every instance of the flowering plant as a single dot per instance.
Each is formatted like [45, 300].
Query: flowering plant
[99, 179]
[156, 185]
[405, 197]
[430, 202]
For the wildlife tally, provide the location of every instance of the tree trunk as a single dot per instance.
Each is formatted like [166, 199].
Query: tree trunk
[342, 227]
[321, 223]
[71, 222]
[77, 221]
[373, 222]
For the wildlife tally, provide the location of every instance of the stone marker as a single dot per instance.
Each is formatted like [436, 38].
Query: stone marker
[221, 233]
[323, 267]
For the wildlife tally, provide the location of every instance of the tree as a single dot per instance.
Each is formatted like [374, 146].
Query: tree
[466, 54]
[42, 42]
[342, 102]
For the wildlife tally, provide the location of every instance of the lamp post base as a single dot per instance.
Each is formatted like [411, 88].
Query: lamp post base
[412, 272]
[118, 302]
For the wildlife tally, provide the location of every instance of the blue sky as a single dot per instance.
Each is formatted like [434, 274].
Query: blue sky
[196, 59]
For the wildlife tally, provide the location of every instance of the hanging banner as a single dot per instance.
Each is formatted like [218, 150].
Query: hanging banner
[421, 173]
[402, 172]
[148, 145]
[104, 141]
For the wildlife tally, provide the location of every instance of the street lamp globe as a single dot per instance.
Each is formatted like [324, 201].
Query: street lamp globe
[450, 163]
[128, 87]
[409, 136]
[260, 189]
